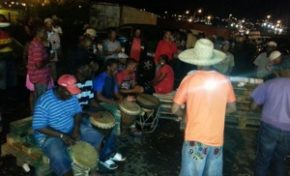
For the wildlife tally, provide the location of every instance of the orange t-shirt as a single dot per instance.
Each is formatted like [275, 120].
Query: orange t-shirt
[206, 94]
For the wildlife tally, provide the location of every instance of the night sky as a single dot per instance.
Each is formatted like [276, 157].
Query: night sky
[240, 8]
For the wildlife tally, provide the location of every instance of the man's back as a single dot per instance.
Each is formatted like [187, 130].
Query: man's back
[275, 96]
[206, 94]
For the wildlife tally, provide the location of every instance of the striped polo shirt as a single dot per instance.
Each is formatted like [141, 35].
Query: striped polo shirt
[54, 113]
[87, 92]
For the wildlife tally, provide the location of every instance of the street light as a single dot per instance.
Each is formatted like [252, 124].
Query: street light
[187, 12]
[279, 22]
[268, 17]
[209, 17]
[199, 11]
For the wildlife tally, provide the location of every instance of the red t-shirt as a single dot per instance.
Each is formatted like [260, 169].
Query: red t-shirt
[166, 85]
[36, 55]
[136, 49]
[165, 47]
[125, 79]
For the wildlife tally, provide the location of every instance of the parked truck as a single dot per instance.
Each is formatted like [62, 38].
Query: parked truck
[106, 15]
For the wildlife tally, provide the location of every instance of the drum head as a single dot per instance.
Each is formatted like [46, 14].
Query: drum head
[84, 155]
[148, 101]
[103, 120]
[130, 108]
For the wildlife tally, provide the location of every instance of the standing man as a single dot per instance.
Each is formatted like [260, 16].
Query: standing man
[226, 66]
[274, 135]
[38, 64]
[166, 46]
[263, 60]
[208, 95]
[137, 47]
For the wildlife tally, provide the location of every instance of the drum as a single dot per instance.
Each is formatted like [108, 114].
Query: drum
[149, 104]
[148, 101]
[129, 111]
[84, 158]
[103, 121]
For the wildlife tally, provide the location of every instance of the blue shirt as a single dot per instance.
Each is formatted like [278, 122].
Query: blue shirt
[54, 113]
[106, 85]
[274, 95]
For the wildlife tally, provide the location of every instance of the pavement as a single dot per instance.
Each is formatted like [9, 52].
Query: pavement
[156, 154]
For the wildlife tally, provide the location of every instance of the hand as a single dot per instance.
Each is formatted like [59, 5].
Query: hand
[67, 140]
[138, 89]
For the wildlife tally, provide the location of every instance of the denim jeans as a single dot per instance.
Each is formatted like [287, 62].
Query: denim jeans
[201, 160]
[273, 147]
[56, 150]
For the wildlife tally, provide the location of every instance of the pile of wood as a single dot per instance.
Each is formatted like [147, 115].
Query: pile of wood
[20, 143]
[244, 117]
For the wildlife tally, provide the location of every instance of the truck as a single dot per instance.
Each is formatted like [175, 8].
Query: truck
[107, 15]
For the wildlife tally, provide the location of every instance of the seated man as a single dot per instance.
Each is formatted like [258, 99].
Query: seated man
[107, 91]
[164, 78]
[57, 124]
[127, 79]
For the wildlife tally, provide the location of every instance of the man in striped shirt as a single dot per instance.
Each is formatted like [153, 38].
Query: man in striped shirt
[57, 124]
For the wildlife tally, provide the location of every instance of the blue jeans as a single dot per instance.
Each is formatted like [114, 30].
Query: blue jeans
[201, 160]
[273, 146]
[56, 150]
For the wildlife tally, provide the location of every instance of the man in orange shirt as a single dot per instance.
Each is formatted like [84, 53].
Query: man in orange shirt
[208, 95]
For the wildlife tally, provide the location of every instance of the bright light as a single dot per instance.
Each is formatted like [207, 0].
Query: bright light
[243, 21]
[280, 30]
[264, 24]
[272, 27]
[12, 2]
[268, 16]
[237, 26]
[232, 25]
[269, 25]
[165, 12]
[209, 17]
[23, 4]
[279, 21]
[210, 85]
[230, 15]
[190, 20]
[199, 11]
[247, 32]
[187, 12]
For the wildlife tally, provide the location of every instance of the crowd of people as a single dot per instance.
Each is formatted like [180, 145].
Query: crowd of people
[61, 103]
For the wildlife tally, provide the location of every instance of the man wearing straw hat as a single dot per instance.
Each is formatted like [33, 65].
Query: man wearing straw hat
[208, 95]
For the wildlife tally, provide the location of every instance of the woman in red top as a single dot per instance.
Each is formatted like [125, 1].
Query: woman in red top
[137, 47]
[165, 47]
[164, 79]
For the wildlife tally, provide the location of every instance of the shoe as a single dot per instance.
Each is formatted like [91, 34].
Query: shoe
[118, 158]
[109, 164]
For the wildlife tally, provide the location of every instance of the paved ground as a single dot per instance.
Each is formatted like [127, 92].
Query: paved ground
[156, 154]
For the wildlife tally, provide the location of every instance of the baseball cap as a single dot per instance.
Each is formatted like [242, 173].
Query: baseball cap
[275, 55]
[69, 82]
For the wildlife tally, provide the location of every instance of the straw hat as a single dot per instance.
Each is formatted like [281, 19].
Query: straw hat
[275, 55]
[203, 54]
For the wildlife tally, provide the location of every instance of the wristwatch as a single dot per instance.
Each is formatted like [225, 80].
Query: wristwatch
[61, 136]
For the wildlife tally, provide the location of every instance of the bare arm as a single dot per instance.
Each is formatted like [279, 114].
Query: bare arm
[159, 78]
[54, 133]
[100, 97]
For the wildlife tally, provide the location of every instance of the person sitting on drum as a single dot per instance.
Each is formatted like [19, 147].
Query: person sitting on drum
[107, 91]
[57, 125]
[164, 79]
[127, 79]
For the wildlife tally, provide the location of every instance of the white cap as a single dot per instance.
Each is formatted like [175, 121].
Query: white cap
[274, 55]
[272, 43]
